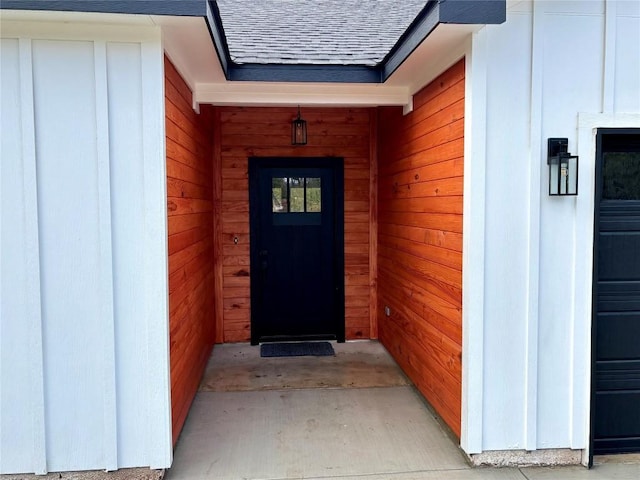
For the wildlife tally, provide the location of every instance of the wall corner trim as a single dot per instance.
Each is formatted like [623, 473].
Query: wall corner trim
[473, 296]
[156, 301]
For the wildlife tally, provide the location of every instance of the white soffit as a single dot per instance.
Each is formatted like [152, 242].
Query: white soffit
[441, 49]
[187, 43]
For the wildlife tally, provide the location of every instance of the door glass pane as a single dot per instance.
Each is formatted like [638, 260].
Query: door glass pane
[621, 176]
[314, 195]
[279, 189]
[296, 194]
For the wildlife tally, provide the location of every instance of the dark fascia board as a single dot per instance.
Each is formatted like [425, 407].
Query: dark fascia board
[219, 38]
[254, 72]
[473, 11]
[191, 8]
[434, 13]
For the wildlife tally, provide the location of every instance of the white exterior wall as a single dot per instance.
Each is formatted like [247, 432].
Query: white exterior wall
[554, 69]
[83, 285]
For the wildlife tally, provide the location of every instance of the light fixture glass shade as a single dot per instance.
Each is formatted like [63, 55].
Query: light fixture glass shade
[563, 175]
[298, 131]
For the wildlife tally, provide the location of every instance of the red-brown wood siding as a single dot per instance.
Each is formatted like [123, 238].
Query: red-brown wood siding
[420, 239]
[190, 228]
[332, 132]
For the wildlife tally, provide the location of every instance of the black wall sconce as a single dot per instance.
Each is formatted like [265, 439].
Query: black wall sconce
[298, 130]
[563, 168]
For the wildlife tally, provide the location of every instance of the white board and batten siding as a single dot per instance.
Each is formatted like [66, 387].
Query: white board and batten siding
[550, 65]
[83, 284]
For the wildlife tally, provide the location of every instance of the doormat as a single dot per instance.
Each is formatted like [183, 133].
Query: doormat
[297, 349]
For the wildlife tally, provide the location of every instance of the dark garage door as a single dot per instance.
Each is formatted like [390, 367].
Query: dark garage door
[616, 371]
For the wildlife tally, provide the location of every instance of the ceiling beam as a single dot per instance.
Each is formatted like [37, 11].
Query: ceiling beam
[319, 94]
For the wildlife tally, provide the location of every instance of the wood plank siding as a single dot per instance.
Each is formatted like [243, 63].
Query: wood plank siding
[190, 228]
[332, 132]
[420, 239]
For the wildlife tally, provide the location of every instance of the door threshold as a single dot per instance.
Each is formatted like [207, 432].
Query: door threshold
[295, 338]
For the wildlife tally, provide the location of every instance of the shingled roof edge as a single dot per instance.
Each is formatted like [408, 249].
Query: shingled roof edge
[434, 13]
[424, 23]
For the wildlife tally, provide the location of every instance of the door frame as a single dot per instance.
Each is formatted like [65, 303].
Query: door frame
[336, 164]
[599, 134]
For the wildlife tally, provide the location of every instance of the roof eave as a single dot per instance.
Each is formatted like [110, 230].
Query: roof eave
[190, 8]
[426, 21]
[434, 13]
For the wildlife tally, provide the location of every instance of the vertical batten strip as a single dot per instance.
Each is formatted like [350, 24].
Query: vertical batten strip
[110, 437]
[34, 303]
[156, 301]
[473, 242]
[609, 67]
[533, 237]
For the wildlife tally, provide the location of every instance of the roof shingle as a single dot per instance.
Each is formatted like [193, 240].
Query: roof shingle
[320, 32]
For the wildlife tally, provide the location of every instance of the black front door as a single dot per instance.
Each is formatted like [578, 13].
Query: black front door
[297, 253]
[616, 320]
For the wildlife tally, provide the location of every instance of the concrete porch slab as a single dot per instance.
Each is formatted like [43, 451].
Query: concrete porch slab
[354, 416]
[311, 433]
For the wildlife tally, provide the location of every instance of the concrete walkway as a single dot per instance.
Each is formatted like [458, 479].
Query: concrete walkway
[354, 416]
